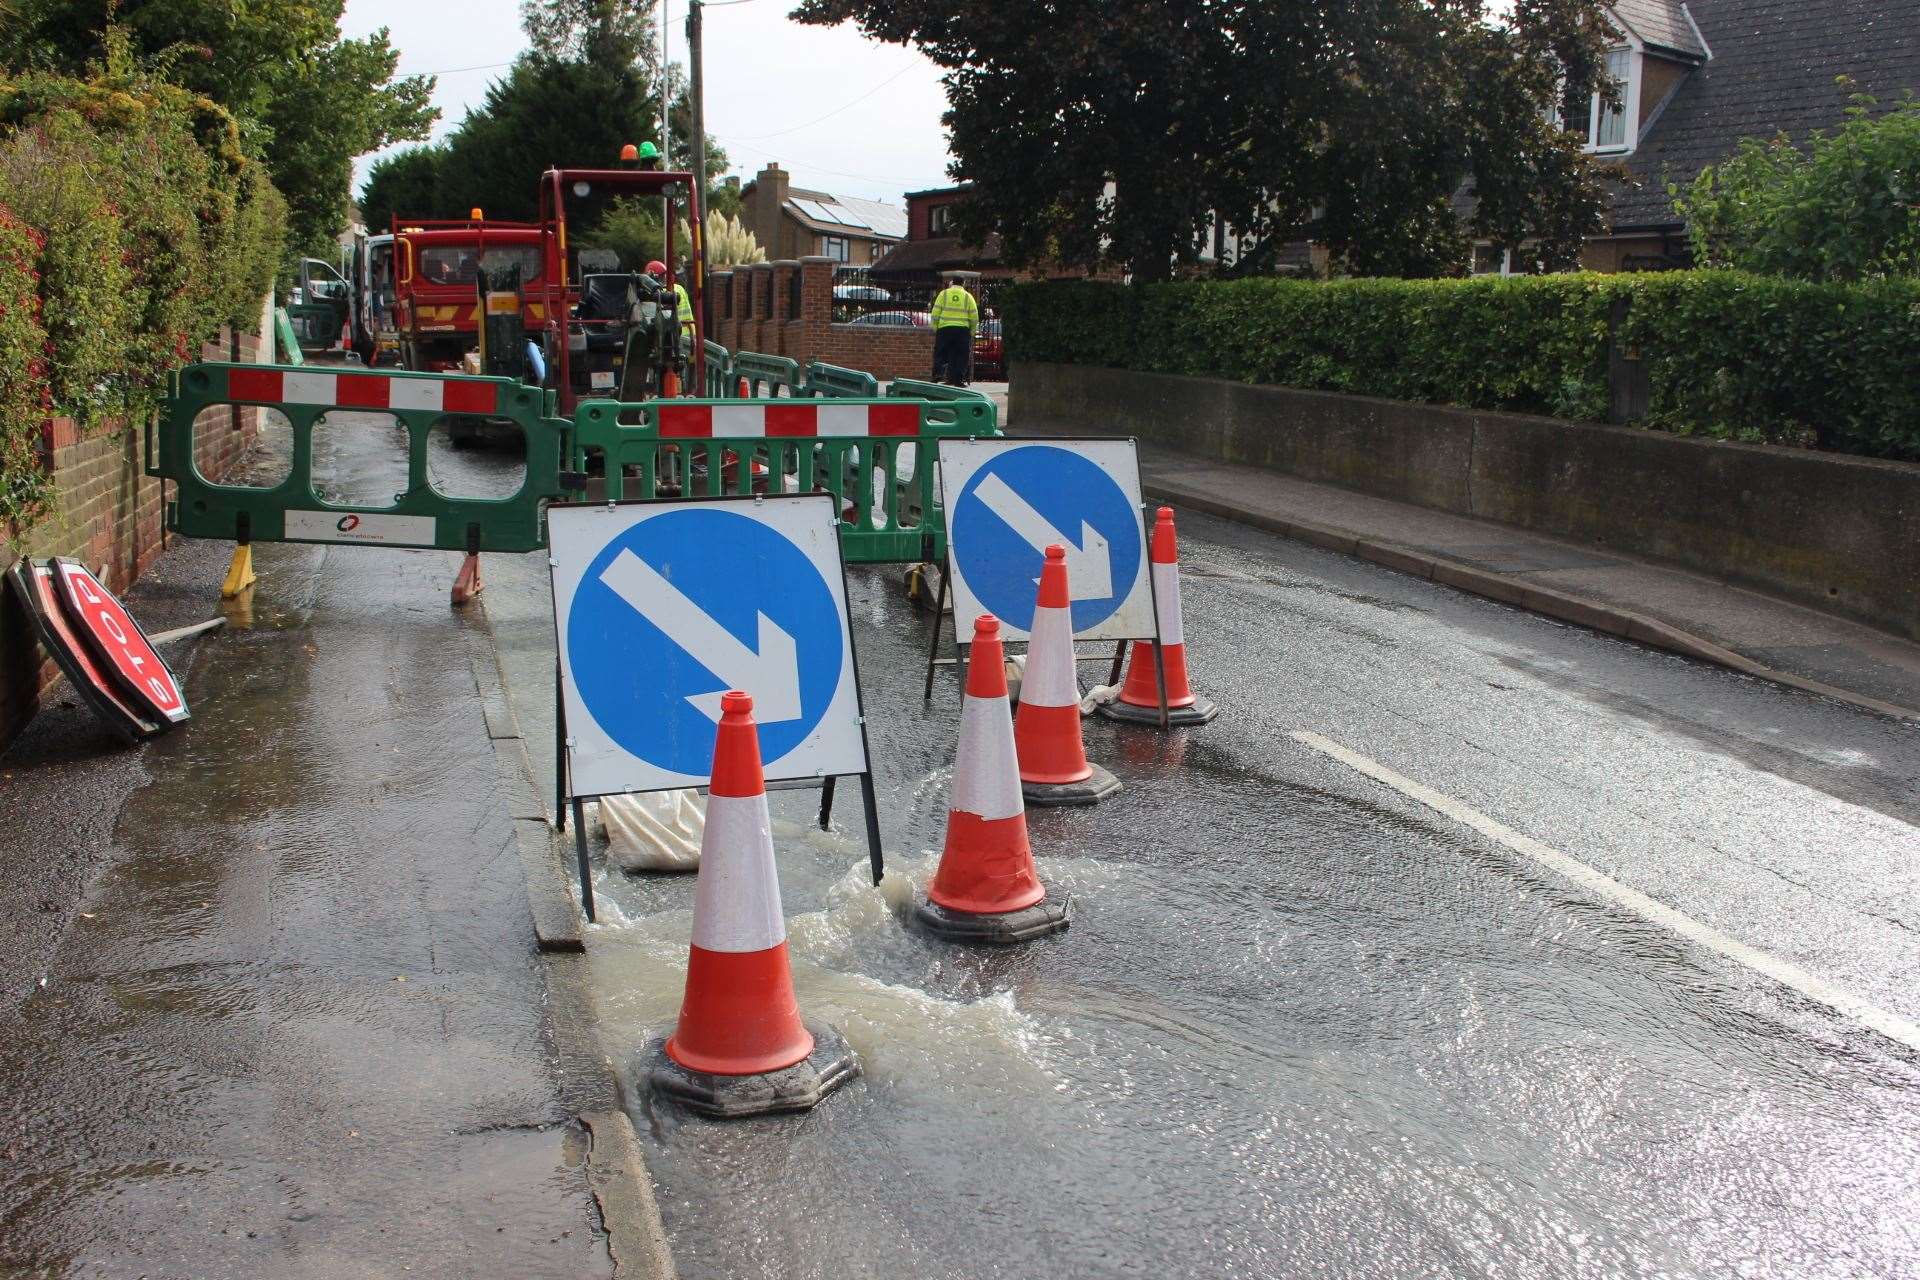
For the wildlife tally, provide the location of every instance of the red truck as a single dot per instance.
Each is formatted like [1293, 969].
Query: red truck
[437, 266]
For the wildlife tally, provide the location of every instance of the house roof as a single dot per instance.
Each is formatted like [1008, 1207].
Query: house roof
[1773, 70]
[847, 215]
[941, 253]
[1660, 25]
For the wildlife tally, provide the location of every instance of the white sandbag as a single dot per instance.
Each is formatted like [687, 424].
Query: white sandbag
[655, 830]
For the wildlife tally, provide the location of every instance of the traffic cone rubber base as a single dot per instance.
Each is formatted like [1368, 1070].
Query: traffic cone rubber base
[799, 1087]
[1095, 787]
[1199, 711]
[1049, 915]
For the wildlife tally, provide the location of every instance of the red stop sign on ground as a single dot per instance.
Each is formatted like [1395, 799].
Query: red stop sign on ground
[117, 641]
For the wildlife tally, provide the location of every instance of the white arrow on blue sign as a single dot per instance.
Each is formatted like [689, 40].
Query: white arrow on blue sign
[1008, 500]
[661, 607]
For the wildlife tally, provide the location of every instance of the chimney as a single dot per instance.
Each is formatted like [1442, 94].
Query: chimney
[771, 185]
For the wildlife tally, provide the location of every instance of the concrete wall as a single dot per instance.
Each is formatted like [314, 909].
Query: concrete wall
[1835, 532]
[107, 513]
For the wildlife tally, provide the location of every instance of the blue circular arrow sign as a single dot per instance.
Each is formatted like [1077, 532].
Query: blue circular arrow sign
[1025, 498]
[686, 605]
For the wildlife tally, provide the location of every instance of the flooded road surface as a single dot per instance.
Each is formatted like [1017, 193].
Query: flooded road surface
[1303, 1024]
[298, 1027]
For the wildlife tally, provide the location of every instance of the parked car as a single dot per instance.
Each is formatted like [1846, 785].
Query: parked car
[860, 293]
[989, 352]
[893, 320]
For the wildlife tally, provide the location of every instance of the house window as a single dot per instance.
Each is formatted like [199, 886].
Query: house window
[1607, 129]
[834, 247]
[939, 219]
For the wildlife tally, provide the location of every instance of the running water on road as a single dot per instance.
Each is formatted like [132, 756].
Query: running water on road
[1303, 1024]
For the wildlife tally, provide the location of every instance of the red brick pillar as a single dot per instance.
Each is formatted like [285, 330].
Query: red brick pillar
[809, 331]
[756, 333]
[720, 307]
[783, 332]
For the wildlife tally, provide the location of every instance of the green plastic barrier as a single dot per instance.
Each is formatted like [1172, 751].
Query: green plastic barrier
[873, 455]
[200, 398]
[719, 369]
[833, 382]
[284, 336]
[914, 389]
[767, 376]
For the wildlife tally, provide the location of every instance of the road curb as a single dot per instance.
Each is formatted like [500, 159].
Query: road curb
[617, 1173]
[1581, 610]
[556, 917]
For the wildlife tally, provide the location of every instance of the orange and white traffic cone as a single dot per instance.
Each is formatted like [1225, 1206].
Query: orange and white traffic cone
[1139, 700]
[743, 391]
[1053, 759]
[740, 1048]
[987, 888]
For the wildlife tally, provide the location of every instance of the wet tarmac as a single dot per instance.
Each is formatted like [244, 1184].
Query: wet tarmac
[1303, 1025]
[294, 1024]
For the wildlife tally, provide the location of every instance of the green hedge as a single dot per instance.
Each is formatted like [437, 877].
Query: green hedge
[143, 228]
[23, 366]
[1728, 355]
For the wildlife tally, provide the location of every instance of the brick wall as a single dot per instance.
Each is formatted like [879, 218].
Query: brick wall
[107, 513]
[743, 324]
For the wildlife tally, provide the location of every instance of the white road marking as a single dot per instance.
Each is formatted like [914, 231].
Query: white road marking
[1845, 1003]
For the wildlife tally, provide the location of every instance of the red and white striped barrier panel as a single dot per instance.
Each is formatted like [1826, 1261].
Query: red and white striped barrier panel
[1140, 692]
[738, 1016]
[986, 866]
[364, 390]
[795, 419]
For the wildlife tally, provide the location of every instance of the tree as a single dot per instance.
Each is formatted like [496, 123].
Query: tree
[1844, 207]
[308, 101]
[405, 184]
[1100, 131]
[586, 87]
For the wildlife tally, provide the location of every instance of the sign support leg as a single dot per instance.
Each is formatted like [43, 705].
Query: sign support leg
[939, 611]
[826, 803]
[559, 750]
[1119, 661]
[580, 850]
[1160, 681]
[874, 856]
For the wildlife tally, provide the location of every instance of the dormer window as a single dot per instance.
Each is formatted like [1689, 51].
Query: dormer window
[1607, 125]
[939, 219]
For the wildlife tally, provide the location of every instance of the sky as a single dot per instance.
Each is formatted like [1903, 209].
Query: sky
[841, 113]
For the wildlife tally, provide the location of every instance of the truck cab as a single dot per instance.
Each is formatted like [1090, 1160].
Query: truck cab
[438, 270]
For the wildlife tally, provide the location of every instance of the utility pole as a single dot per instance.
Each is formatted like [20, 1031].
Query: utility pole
[666, 94]
[698, 206]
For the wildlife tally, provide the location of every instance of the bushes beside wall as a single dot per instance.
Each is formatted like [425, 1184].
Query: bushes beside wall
[1726, 355]
[141, 227]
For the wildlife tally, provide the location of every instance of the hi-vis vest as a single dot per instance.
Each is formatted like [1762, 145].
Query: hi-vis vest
[683, 304]
[954, 306]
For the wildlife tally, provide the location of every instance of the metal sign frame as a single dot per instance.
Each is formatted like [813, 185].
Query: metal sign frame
[962, 645]
[962, 468]
[566, 797]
